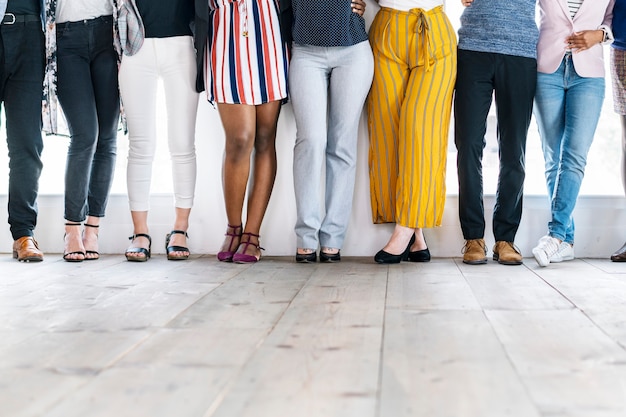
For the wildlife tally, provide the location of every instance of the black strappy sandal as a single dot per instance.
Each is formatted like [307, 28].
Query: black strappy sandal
[92, 252]
[66, 255]
[171, 249]
[144, 251]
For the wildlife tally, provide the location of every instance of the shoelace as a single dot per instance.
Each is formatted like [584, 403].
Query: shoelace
[471, 243]
[550, 246]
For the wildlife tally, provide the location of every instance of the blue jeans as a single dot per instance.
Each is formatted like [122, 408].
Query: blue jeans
[88, 92]
[21, 84]
[567, 109]
[328, 87]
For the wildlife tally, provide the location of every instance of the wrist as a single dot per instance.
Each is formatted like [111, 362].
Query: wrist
[607, 34]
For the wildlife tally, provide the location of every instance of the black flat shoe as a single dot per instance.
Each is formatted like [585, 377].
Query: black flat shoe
[305, 258]
[383, 257]
[171, 249]
[420, 256]
[330, 257]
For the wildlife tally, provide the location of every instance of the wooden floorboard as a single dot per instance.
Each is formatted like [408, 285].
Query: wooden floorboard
[202, 338]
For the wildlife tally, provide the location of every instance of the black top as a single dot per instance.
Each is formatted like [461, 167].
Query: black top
[24, 7]
[163, 19]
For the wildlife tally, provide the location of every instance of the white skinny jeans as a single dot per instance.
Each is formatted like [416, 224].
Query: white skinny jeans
[173, 61]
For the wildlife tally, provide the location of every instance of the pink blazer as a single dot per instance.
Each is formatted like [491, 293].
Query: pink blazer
[555, 24]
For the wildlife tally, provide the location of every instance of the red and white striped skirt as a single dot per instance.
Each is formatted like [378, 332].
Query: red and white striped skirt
[246, 57]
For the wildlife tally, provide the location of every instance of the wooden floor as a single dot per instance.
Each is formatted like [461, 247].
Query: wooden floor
[278, 339]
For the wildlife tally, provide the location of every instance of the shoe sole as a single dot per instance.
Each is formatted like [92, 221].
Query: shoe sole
[541, 257]
[477, 262]
[31, 259]
[305, 261]
[324, 258]
[137, 259]
[28, 258]
[556, 261]
[497, 259]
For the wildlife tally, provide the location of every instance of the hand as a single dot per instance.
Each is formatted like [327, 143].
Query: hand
[467, 3]
[358, 7]
[580, 41]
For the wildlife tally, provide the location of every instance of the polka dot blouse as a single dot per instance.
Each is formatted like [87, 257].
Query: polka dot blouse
[327, 23]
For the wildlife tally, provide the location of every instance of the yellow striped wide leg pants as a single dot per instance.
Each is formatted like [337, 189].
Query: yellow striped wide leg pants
[409, 110]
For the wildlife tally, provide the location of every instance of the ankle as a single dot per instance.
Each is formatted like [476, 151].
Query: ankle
[72, 228]
[249, 237]
[139, 241]
[234, 230]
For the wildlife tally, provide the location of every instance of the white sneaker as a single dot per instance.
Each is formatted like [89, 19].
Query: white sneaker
[545, 250]
[565, 253]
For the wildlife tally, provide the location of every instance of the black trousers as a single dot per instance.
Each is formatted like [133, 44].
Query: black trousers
[22, 62]
[513, 80]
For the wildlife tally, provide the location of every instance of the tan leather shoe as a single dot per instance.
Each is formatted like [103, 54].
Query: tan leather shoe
[475, 252]
[25, 249]
[506, 253]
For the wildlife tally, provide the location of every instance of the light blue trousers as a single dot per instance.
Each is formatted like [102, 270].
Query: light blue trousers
[567, 109]
[328, 87]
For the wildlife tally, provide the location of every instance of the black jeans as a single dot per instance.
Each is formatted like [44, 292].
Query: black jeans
[22, 63]
[513, 79]
[88, 92]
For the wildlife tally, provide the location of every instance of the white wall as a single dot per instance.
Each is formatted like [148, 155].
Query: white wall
[596, 234]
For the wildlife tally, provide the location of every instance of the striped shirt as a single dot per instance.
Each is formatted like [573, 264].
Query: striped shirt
[573, 6]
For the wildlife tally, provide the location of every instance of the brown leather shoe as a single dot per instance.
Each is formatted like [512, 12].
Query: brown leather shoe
[620, 254]
[25, 249]
[475, 252]
[506, 253]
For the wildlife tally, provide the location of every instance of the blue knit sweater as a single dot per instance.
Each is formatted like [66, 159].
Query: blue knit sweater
[500, 26]
[619, 24]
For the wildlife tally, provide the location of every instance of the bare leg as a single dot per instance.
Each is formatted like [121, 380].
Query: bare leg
[399, 240]
[420, 242]
[264, 170]
[181, 223]
[73, 242]
[623, 122]
[401, 237]
[140, 225]
[239, 123]
[620, 254]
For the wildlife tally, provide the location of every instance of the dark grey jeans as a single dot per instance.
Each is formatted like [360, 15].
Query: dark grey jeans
[88, 92]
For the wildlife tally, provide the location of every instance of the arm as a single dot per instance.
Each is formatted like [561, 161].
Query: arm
[358, 7]
[581, 41]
